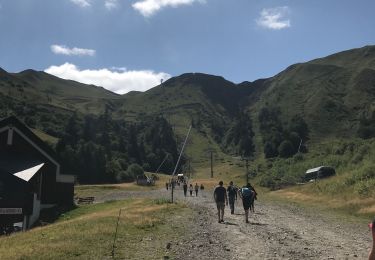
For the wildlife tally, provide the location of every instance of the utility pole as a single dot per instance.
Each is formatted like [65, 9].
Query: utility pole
[212, 165]
[247, 171]
[190, 175]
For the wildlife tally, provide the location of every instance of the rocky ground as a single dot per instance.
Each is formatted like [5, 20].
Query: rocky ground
[275, 231]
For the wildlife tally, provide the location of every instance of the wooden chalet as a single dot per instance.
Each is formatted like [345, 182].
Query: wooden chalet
[30, 177]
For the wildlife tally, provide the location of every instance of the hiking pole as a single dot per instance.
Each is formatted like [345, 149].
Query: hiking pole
[114, 239]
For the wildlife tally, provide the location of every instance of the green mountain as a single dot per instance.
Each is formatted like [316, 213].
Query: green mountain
[306, 105]
[37, 87]
[330, 93]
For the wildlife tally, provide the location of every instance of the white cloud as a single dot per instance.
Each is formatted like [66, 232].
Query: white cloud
[62, 49]
[111, 4]
[120, 80]
[82, 3]
[149, 7]
[274, 18]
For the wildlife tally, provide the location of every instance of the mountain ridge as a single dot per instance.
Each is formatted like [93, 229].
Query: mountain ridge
[331, 93]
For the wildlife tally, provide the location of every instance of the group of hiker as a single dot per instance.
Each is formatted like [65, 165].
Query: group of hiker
[222, 195]
[191, 188]
[185, 187]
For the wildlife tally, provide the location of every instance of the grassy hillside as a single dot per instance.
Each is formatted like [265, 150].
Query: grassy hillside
[330, 93]
[88, 232]
[334, 96]
[38, 87]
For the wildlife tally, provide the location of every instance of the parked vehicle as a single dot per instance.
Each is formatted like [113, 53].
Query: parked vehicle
[319, 173]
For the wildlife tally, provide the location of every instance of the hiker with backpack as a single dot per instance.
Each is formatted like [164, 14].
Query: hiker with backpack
[220, 196]
[232, 195]
[247, 196]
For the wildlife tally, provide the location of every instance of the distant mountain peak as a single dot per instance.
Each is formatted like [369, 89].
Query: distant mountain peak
[3, 72]
[197, 79]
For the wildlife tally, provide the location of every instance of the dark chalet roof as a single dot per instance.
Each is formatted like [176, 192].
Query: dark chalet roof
[13, 121]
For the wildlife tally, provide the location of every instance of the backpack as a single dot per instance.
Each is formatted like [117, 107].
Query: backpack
[246, 193]
[232, 191]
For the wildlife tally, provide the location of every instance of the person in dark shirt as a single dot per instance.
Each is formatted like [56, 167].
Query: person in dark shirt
[220, 196]
[185, 188]
[196, 187]
[232, 195]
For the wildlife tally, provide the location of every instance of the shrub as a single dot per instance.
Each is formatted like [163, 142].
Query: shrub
[286, 149]
[267, 181]
[298, 157]
[270, 150]
[134, 170]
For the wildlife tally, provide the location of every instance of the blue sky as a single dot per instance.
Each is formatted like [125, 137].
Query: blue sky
[128, 45]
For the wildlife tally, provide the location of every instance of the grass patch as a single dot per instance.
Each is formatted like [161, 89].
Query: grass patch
[100, 190]
[161, 201]
[313, 195]
[88, 231]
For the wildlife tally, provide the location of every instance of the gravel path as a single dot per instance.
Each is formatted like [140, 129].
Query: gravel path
[275, 231]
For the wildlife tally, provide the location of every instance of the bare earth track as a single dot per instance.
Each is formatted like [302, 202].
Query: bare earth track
[275, 231]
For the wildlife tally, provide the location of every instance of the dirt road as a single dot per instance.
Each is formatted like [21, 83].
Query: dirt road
[275, 231]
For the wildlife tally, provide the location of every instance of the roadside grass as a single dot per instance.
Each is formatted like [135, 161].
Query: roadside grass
[226, 172]
[355, 210]
[329, 195]
[145, 227]
[319, 194]
[100, 190]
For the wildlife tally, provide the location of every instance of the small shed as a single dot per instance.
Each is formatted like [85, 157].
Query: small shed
[319, 173]
[180, 177]
[30, 177]
[145, 180]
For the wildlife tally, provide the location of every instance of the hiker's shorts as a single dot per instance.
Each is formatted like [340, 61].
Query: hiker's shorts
[246, 204]
[220, 205]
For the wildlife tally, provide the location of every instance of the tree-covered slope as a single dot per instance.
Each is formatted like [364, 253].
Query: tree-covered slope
[296, 110]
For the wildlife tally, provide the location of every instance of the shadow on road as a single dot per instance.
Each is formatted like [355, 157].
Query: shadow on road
[257, 224]
[230, 223]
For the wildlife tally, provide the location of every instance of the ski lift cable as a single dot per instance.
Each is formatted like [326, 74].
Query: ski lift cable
[165, 158]
[182, 150]
[178, 161]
